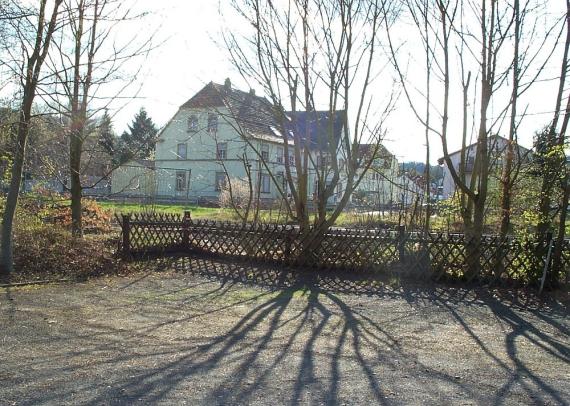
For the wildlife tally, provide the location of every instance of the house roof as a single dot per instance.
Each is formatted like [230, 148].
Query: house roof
[259, 118]
[254, 114]
[318, 127]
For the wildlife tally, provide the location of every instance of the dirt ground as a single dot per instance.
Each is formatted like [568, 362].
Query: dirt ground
[201, 331]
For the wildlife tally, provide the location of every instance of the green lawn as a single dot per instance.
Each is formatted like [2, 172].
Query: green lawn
[211, 213]
[197, 212]
[346, 219]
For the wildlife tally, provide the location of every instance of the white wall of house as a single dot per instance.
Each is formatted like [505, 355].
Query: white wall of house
[187, 145]
[498, 145]
[381, 183]
[189, 163]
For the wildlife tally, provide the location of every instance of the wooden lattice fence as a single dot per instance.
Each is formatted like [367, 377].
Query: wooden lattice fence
[438, 253]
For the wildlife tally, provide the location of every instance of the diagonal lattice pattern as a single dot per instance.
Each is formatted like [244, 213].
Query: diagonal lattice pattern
[442, 254]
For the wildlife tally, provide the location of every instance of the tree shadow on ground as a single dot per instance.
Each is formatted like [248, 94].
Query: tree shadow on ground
[411, 285]
[305, 351]
[248, 347]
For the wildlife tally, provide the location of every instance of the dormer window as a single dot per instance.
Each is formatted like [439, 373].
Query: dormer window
[193, 123]
[212, 122]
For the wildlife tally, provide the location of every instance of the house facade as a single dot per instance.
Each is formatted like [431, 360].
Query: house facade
[223, 135]
[497, 146]
[380, 184]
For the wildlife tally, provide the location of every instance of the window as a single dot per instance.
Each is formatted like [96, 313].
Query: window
[338, 191]
[180, 181]
[193, 123]
[222, 150]
[181, 151]
[265, 183]
[322, 161]
[317, 187]
[291, 159]
[282, 179]
[220, 180]
[212, 122]
[265, 152]
[280, 155]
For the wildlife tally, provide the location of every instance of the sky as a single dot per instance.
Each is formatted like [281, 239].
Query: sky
[189, 54]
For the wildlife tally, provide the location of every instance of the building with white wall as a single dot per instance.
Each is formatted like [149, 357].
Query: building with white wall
[221, 134]
[497, 146]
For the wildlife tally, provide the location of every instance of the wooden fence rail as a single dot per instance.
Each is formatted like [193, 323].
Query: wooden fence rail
[443, 254]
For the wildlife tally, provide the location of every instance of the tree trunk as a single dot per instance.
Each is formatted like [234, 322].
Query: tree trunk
[557, 268]
[75, 178]
[506, 180]
[32, 67]
[13, 193]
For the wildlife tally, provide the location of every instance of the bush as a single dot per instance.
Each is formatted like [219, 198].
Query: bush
[95, 219]
[44, 251]
[49, 252]
[238, 197]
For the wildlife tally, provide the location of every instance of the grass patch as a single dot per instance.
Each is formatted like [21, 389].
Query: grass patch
[211, 213]
[197, 211]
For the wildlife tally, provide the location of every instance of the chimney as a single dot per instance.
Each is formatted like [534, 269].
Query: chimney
[228, 84]
[252, 92]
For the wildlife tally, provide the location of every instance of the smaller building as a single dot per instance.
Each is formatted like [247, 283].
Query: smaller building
[380, 186]
[497, 146]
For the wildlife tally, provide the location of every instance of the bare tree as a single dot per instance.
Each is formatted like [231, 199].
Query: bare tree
[33, 35]
[89, 60]
[239, 194]
[478, 45]
[316, 61]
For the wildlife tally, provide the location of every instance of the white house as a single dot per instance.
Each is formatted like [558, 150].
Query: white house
[222, 133]
[497, 146]
[380, 185]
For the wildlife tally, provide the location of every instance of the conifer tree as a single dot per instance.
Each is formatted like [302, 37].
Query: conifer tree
[139, 141]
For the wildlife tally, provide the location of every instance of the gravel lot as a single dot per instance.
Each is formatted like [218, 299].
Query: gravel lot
[201, 331]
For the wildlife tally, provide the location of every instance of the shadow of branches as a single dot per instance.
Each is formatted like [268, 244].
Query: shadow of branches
[306, 336]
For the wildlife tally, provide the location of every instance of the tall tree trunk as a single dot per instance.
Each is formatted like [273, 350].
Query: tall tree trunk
[32, 67]
[481, 164]
[75, 179]
[506, 178]
[14, 192]
[557, 267]
[427, 123]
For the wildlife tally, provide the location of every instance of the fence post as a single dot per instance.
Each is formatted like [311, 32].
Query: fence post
[126, 235]
[288, 244]
[401, 241]
[546, 260]
[186, 230]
